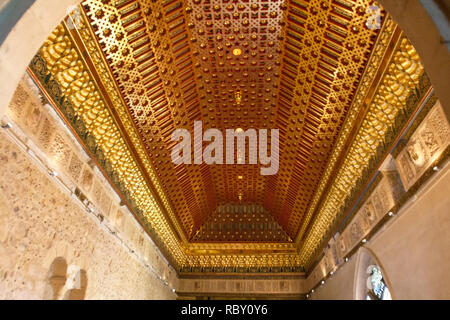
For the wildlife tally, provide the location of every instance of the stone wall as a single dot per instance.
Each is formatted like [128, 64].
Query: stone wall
[74, 217]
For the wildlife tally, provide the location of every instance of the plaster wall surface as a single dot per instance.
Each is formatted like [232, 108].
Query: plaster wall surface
[413, 249]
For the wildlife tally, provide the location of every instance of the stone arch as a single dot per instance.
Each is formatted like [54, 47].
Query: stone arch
[56, 279]
[79, 285]
[365, 258]
[27, 33]
[426, 32]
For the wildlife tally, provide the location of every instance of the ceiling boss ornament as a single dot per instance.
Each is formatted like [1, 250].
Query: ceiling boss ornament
[238, 97]
[237, 52]
[139, 70]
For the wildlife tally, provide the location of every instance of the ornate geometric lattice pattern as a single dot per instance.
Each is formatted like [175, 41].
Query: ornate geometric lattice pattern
[297, 68]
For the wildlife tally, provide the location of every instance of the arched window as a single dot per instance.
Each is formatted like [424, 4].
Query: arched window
[376, 286]
[371, 281]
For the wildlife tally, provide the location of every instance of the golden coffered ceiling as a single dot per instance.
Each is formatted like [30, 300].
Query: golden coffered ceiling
[133, 71]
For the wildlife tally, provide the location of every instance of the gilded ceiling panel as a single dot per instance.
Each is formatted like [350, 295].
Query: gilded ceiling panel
[294, 65]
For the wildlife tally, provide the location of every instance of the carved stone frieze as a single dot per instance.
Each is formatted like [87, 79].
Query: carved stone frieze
[426, 145]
